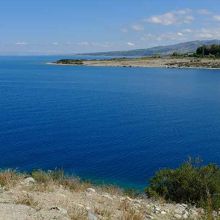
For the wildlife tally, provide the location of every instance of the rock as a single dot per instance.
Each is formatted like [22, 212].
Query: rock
[136, 201]
[185, 216]
[79, 205]
[88, 208]
[149, 216]
[128, 198]
[177, 216]
[193, 213]
[91, 216]
[214, 214]
[180, 209]
[156, 209]
[29, 181]
[91, 190]
[163, 213]
[107, 196]
[61, 210]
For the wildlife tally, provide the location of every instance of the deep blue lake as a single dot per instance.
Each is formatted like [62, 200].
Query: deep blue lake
[117, 125]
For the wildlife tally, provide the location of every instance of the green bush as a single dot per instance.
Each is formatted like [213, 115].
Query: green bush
[45, 177]
[190, 183]
[70, 61]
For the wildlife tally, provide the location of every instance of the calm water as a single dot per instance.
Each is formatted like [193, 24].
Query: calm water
[118, 125]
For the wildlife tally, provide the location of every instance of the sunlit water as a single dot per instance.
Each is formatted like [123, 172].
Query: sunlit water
[117, 125]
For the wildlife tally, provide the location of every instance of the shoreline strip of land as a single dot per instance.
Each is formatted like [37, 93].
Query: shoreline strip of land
[146, 62]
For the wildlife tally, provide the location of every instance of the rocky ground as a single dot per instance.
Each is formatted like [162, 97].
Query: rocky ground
[24, 198]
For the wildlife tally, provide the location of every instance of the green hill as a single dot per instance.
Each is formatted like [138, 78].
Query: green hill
[187, 47]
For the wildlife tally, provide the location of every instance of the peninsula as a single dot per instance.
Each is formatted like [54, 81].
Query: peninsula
[162, 62]
[206, 56]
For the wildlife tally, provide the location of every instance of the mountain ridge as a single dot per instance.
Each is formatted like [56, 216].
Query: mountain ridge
[185, 47]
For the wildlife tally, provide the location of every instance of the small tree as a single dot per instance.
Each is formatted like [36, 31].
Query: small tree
[190, 183]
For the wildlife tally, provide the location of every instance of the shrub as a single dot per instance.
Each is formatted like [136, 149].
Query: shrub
[190, 183]
[40, 176]
[70, 61]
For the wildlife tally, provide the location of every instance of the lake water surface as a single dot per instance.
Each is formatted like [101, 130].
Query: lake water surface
[117, 125]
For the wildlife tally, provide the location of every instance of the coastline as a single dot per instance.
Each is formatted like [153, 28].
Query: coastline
[149, 62]
[51, 195]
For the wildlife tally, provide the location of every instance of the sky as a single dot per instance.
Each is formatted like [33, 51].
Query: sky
[47, 27]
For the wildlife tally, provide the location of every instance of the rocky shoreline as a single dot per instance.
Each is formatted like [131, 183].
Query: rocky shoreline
[165, 62]
[39, 197]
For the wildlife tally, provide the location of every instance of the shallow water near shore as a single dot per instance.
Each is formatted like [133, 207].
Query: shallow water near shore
[109, 124]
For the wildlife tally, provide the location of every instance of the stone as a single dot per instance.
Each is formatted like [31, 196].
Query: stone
[88, 208]
[136, 201]
[61, 210]
[184, 205]
[91, 216]
[193, 213]
[149, 217]
[185, 216]
[91, 190]
[180, 209]
[128, 198]
[29, 180]
[156, 209]
[163, 213]
[107, 196]
[177, 216]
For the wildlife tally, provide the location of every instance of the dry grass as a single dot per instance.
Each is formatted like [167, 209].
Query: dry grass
[103, 212]
[74, 184]
[9, 178]
[111, 189]
[46, 180]
[132, 215]
[78, 214]
[129, 212]
[26, 199]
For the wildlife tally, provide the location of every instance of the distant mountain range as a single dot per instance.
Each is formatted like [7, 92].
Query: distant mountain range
[187, 47]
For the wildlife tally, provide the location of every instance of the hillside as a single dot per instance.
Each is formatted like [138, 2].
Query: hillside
[47, 196]
[187, 47]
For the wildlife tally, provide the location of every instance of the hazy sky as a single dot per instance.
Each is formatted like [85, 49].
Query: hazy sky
[72, 26]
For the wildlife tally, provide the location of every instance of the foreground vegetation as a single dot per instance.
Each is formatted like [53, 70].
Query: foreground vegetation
[190, 183]
[52, 195]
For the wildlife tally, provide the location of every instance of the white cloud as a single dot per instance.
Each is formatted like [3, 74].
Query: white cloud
[21, 43]
[137, 27]
[130, 44]
[55, 43]
[216, 17]
[206, 33]
[204, 12]
[180, 34]
[174, 17]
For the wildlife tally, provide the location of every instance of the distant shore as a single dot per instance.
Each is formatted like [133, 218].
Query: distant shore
[150, 62]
